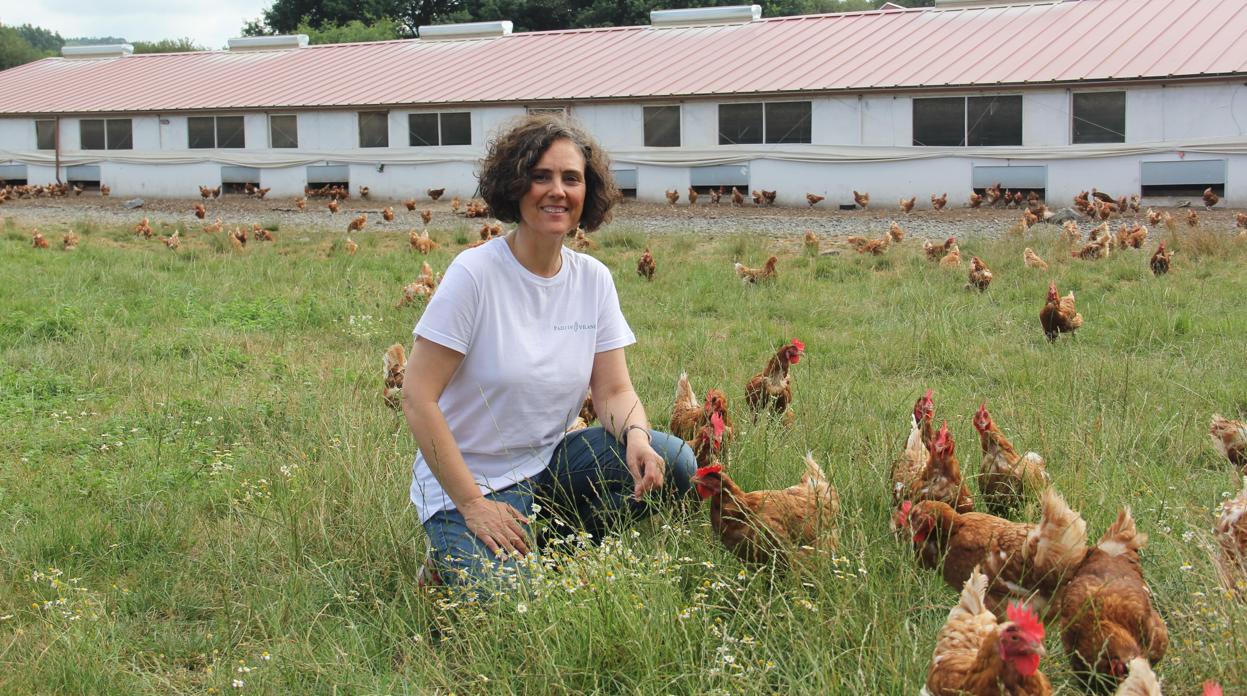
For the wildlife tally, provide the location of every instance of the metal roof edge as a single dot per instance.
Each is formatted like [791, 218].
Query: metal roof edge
[653, 99]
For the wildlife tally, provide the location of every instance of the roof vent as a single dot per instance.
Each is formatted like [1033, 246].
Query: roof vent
[268, 43]
[466, 30]
[97, 51]
[734, 14]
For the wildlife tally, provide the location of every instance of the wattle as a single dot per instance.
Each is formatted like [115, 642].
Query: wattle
[1026, 665]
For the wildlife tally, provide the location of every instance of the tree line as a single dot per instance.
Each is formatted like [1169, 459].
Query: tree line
[375, 20]
[27, 43]
[347, 21]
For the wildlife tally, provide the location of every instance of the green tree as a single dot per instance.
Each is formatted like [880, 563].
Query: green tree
[183, 45]
[49, 42]
[285, 16]
[94, 41]
[353, 31]
[15, 50]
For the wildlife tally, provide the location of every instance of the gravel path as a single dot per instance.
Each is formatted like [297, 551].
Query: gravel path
[650, 218]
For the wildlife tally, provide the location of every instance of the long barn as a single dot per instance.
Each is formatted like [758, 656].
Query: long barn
[1130, 96]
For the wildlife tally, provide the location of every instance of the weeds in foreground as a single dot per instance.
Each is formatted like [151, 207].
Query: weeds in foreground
[202, 489]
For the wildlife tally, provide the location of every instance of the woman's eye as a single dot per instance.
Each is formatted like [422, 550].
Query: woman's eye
[541, 177]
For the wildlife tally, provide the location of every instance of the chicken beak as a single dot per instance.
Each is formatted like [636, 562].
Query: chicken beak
[1038, 649]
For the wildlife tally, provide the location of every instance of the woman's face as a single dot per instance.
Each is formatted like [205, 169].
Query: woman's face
[556, 196]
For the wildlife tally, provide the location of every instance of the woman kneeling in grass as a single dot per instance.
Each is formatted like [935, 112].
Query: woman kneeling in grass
[518, 331]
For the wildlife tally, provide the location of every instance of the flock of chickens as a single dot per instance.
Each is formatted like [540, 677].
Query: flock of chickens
[1015, 577]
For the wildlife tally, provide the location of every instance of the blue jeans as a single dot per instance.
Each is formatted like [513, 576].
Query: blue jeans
[586, 484]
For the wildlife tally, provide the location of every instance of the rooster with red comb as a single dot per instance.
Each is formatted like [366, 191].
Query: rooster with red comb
[772, 387]
[977, 655]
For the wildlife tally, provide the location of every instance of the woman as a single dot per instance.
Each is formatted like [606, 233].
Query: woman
[519, 329]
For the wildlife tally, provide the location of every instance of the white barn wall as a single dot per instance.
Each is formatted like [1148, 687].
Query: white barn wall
[837, 121]
[159, 180]
[652, 183]
[699, 125]
[328, 130]
[887, 121]
[1046, 118]
[615, 126]
[37, 174]
[1153, 114]
[17, 133]
[1156, 114]
[284, 181]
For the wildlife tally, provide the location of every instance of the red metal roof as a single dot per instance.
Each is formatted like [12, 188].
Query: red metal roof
[980, 47]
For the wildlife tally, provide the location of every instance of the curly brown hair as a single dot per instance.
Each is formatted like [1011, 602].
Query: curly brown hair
[507, 168]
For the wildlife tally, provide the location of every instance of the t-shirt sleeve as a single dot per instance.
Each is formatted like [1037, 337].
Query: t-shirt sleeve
[613, 329]
[450, 317]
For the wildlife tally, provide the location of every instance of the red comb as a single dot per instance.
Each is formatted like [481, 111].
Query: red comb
[715, 468]
[798, 344]
[716, 422]
[907, 506]
[1212, 688]
[1026, 620]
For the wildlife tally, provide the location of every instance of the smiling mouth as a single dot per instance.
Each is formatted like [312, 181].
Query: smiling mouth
[554, 210]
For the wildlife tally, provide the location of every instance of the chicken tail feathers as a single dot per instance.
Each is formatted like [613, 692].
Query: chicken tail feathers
[1034, 477]
[1122, 535]
[394, 358]
[684, 391]
[1062, 536]
[813, 472]
[973, 596]
[1142, 680]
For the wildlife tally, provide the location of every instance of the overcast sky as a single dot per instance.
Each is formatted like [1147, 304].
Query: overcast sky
[208, 22]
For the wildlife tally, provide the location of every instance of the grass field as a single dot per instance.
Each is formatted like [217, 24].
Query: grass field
[202, 491]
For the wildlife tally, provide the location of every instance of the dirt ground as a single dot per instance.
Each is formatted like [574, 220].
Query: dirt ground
[52, 214]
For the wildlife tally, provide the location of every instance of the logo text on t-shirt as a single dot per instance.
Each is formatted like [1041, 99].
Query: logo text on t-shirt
[575, 326]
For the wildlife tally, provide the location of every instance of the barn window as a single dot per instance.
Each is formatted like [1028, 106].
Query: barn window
[974, 121]
[662, 126]
[283, 130]
[105, 134]
[229, 132]
[740, 124]
[1099, 117]
[91, 133]
[439, 129]
[45, 135]
[200, 132]
[456, 128]
[940, 122]
[206, 132]
[788, 122]
[374, 129]
[994, 120]
[560, 110]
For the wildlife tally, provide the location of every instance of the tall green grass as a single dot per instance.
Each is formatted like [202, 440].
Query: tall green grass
[199, 482]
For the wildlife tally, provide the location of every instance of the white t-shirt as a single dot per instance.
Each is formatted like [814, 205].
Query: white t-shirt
[528, 345]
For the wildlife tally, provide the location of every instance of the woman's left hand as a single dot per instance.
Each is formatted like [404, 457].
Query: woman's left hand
[645, 465]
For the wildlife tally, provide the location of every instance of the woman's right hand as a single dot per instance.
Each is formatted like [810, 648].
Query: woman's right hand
[497, 524]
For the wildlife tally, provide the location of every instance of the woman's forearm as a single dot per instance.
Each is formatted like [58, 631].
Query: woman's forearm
[441, 452]
[619, 411]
